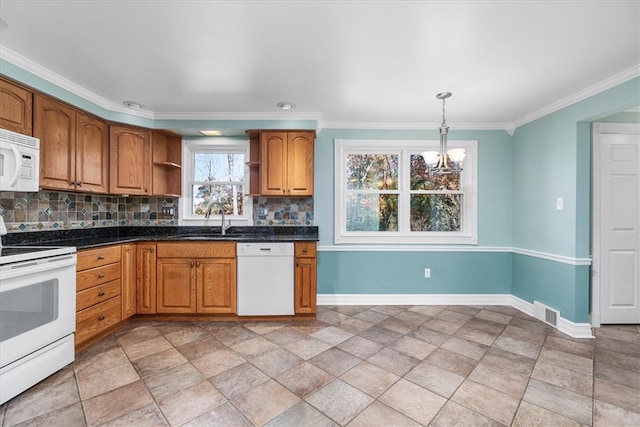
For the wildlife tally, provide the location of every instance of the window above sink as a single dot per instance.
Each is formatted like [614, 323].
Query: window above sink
[215, 180]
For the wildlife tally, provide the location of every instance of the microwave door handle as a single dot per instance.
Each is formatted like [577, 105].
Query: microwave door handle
[16, 153]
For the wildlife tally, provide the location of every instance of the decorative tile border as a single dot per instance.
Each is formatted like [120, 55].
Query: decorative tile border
[283, 210]
[51, 210]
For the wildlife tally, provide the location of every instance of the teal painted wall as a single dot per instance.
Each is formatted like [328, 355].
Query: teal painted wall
[624, 117]
[403, 272]
[494, 178]
[561, 286]
[549, 160]
[552, 158]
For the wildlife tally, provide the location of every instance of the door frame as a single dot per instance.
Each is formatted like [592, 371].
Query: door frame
[596, 130]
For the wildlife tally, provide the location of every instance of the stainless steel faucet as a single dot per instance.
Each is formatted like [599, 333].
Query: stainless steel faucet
[223, 227]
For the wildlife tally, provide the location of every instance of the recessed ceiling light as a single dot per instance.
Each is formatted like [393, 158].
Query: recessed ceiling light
[133, 105]
[211, 132]
[3, 24]
[286, 105]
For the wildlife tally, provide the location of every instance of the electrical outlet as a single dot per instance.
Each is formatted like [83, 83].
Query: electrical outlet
[427, 273]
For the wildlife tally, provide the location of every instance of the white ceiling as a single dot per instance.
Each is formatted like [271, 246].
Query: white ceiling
[341, 62]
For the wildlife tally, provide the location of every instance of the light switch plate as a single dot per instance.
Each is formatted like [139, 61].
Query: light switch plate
[559, 203]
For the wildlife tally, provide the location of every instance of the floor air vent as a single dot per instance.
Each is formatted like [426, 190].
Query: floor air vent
[546, 313]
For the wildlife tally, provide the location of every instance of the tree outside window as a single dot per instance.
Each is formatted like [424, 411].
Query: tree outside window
[218, 183]
[384, 193]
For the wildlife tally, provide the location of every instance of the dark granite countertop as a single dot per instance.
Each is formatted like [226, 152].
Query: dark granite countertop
[95, 237]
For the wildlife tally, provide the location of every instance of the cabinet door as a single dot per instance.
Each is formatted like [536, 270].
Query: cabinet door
[273, 163]
[300, 163]
[16, 108]
[146, 278]
[92, 155]
[128, 280]
[55, 125]
[176, 285]
[130, 160]
[305, 286]
[216, 279]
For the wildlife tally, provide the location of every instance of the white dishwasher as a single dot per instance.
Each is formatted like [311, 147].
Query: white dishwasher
[265, 278]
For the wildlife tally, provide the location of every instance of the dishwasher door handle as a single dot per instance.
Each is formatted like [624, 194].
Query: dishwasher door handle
[265, 249]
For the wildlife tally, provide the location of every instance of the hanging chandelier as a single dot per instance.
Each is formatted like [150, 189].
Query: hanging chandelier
[445, 161]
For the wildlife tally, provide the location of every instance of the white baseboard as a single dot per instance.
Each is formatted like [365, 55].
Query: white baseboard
[574, 330]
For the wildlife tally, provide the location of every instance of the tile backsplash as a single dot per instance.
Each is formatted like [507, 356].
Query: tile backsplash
[283, 210]
[52, 210]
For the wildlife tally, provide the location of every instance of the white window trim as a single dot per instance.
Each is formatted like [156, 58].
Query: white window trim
[469, 185]
[213, 145]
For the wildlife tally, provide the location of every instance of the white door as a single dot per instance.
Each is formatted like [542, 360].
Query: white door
[619, 223]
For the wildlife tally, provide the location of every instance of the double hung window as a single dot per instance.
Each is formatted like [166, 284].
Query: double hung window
[215, 180]
[385, 194]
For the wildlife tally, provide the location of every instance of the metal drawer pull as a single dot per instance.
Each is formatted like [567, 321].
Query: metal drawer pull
[100, 276]
[100, 256]
[101, 318]
[101, 294]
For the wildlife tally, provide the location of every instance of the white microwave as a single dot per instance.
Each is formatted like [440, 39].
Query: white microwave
[19, 162]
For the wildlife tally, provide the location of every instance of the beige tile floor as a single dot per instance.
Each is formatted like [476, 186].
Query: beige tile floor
[355, 366]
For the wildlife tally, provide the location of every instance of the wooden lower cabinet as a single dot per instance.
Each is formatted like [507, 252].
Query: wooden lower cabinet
[305, 293]
[95, 319]
[98, 292]
[216, 286]
[206, 284]
[146, 278]
[128, 279]
[176, 285]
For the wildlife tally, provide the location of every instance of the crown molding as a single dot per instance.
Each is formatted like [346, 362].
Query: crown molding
[615, 80]
[56, 79]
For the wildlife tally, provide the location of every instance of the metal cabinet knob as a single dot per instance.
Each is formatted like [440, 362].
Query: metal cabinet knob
[100, 276]
[100, 256]
[101, 318]
[101, 294]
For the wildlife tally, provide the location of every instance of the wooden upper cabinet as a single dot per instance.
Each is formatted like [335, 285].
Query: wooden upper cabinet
[73, 148]
[130, 158]
[92, 154]
[166, 174]
[55, 125]
[286, 163]
[16, 108]
[300, 163]
[273, 163]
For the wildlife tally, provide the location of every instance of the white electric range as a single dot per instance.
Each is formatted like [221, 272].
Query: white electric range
[37, 314]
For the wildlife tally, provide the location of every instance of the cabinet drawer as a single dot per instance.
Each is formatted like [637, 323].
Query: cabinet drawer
[97, 276]
[97, 294]
[197, 250]
[305, 249]
[90, 258]
[96, 319]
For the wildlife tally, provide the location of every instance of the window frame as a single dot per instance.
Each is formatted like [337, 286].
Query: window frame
[219, 146]
[468, 235]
